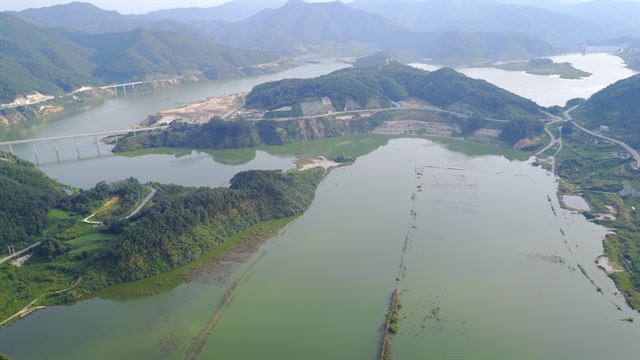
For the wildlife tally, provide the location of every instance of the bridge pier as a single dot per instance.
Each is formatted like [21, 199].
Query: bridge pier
[35, 152]
[11, 149]
[55, 146]
[75, 140]
[124, 87]
[95, 139]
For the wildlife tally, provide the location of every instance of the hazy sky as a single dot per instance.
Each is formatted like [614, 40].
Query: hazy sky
[139, 6]
[123, 6]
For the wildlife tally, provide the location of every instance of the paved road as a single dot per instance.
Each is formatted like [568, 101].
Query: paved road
[101, 133]
[133, 213]
[339, 113]
[629, 149]
[20, 252]
[144, 202]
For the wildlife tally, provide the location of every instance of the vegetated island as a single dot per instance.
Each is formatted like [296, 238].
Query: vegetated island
[545, 67]
[81, 241]
[376, 99]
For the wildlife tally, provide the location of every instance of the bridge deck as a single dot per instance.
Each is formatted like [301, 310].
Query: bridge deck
[101, 133]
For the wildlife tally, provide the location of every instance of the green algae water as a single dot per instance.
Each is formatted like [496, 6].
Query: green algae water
[487, 262]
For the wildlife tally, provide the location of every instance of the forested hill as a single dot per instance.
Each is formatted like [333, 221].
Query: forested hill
[53, 61]
[444, 88]
[616, 106]
[185, 223]
[26, 195]
[177, 226]
[37, 59]
[142, 54]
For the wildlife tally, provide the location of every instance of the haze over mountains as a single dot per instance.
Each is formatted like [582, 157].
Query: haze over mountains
[92, 46]
[56, 60]
[566, 25]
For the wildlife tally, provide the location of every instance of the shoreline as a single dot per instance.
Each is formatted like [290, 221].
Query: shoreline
[15, 125]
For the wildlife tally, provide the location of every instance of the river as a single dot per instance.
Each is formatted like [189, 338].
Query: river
[551, 90]
[490, 268]
[488, 274]
[97, 163]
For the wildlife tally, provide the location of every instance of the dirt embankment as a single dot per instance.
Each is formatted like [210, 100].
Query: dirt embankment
[202, 111]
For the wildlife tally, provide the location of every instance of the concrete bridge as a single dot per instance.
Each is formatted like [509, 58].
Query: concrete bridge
[124, 86]
[9, 144]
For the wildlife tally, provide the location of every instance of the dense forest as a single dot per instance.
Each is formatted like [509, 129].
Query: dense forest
[26, 195]
[444, 88]
[53, 61]
[615, 106]
[220, 134]
[184, 223]
[177, 226]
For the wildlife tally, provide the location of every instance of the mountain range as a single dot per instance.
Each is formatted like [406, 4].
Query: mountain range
[65, 46]
[55, 60]
[560, 26]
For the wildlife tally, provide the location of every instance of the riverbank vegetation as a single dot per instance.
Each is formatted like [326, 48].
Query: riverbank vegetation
[178, 226]
[603, 175]
[220, 134]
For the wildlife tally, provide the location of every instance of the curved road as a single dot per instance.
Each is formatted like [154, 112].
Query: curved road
[634, 153]
[133, 213]
[144, 202]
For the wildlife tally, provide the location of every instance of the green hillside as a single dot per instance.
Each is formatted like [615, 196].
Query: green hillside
[54, 61]
[179, 225]
[26, 195]
[616, 106]
[36, 59]
[444, 88]
[382, 57]
[143, 54]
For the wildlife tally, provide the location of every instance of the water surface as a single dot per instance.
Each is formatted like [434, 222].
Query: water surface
[552, 90]
[490, 271]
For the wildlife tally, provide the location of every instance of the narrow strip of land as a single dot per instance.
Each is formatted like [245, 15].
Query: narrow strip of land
[28, 309]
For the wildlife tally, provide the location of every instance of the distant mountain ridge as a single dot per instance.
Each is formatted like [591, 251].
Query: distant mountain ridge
[298, 23]
[48, 61]
[296, 27]
[489, 16]
[229, 11]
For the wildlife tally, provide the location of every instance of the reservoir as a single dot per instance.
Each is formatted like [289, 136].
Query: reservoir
[487, 262]
[605, 69]
[96, 163]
